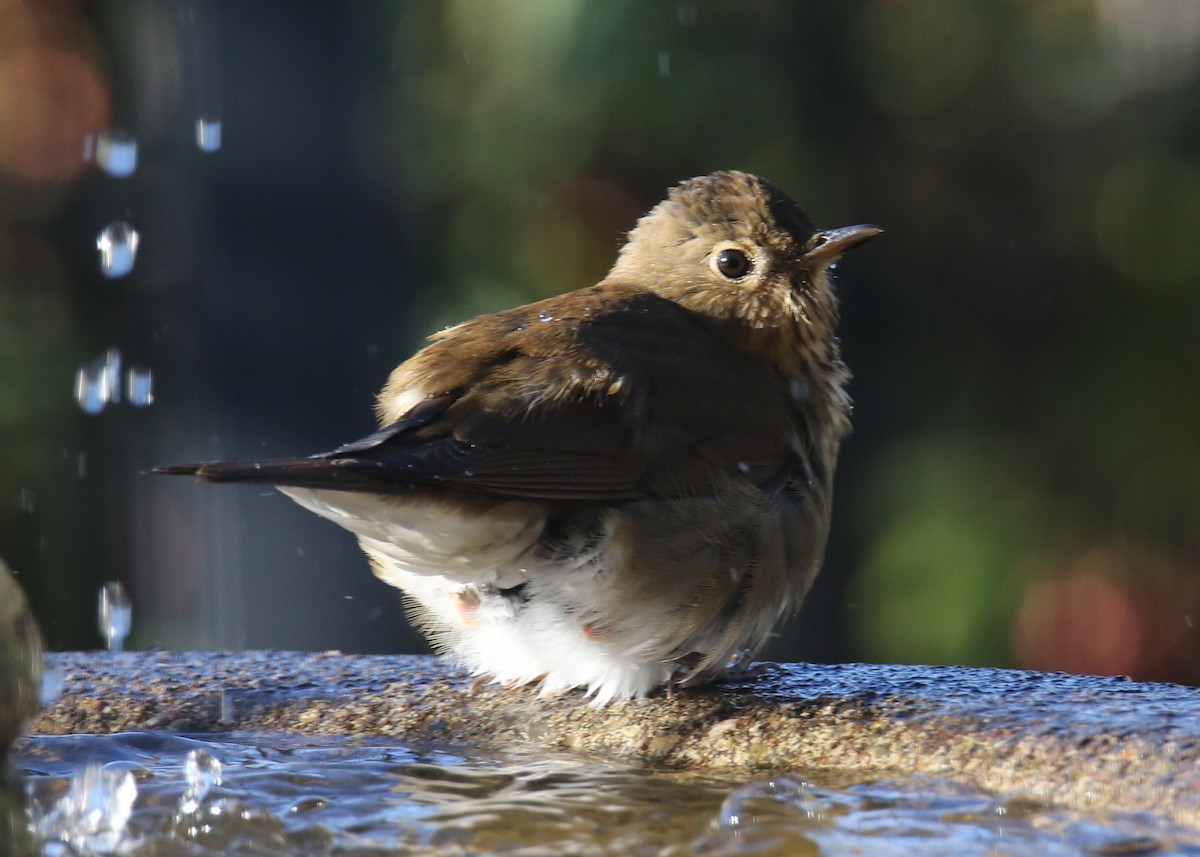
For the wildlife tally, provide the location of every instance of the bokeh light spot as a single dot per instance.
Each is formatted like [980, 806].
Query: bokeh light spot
[1080, 622]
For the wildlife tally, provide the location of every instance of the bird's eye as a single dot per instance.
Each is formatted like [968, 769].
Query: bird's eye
[732, 263]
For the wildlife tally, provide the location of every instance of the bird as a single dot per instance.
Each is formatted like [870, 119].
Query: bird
[622, 489]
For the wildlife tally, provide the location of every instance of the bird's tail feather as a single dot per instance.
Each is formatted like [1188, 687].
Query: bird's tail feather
[342, 474]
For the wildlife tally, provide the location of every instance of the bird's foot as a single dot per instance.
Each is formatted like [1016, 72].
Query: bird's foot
[739, 674]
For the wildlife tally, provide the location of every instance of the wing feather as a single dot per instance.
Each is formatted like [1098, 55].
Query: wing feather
[612, 405]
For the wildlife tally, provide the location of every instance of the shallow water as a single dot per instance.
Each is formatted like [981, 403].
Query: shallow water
[316, 795]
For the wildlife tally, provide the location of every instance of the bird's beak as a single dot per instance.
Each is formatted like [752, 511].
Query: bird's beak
[828, 245]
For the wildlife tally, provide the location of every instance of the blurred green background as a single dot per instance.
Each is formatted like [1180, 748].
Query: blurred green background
[1022, 484]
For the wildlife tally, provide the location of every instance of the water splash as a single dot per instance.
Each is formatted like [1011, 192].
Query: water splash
[118, 246]
[117, 152]
[98, 382]
[202, 770]
[208, 134]
[91, 818]
[116, 615]
[764, 803]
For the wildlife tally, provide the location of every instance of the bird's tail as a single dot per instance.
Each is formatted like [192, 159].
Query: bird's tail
[339, 474]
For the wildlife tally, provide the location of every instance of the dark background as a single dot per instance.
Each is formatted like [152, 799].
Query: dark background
[1021, 487]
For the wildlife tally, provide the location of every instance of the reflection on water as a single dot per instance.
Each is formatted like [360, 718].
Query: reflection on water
[923, 816]
[289, 795]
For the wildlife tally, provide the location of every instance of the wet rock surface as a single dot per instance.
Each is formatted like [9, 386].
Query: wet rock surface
[1079, 741]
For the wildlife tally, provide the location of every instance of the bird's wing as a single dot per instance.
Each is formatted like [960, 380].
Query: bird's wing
[638, 399]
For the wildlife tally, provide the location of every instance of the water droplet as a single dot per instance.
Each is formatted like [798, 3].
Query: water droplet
[118, 245]
[687, 13]
[139, 386]
[664, 64]
[309, 804]
[117, 152]
[92, 816]
[98, 382]
[116, 615]
[743, 467]
[202, 771]
[545, 316]
[26, 500]
[208, 134]
[88, 392]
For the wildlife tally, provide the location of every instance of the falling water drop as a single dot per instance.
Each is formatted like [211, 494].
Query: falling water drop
[117, 152]
[98, 382]
[116, 615]
[226, 706]
[88, 392]
[118, 245]
[139, 386]
[664, 64]
[52, 683]
[208, 134]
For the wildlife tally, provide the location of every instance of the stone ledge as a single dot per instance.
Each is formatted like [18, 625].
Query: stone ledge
[1081, 741]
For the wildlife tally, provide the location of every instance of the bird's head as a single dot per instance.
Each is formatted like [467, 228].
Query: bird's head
[736, 248]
